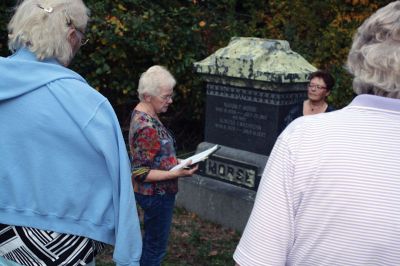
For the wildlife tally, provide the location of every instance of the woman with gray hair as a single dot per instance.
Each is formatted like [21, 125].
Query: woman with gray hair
[64, 170]
[330, 193]
[374, 58]
[153, 155]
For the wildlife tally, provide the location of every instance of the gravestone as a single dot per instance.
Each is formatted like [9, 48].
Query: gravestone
[250, 86]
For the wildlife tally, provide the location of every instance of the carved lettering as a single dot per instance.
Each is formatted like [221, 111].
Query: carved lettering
[234, 173]
[240, 175]
[212, 166]
[230, 173]
[221, 170]
[250, 178]
[242, 118]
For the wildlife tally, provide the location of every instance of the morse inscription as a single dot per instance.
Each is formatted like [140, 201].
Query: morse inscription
[231, 171]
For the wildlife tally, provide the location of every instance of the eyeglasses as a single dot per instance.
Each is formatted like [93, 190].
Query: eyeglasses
[168, 97]
[316, 86]
[83, 38]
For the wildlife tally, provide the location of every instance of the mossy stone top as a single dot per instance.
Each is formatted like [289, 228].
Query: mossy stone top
[264, 60]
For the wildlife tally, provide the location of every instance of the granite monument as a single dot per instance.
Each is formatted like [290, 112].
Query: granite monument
[250, 86]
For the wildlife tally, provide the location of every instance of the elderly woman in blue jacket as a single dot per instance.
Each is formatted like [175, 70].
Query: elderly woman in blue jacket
[64, 170]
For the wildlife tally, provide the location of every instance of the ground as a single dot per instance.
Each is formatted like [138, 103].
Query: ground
[193, 241]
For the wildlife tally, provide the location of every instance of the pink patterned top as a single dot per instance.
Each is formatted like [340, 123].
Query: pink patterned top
[152, 146]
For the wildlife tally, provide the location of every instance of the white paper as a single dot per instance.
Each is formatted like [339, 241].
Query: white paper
[196, 158]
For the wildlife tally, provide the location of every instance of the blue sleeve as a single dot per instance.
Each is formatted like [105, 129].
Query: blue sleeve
[104, 133]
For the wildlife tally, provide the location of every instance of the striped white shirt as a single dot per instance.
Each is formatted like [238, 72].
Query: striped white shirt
[330, 193]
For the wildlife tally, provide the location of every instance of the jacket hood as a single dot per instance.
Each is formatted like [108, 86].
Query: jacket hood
[22, 73]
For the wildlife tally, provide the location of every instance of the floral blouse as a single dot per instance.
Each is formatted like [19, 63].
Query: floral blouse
[152, 146]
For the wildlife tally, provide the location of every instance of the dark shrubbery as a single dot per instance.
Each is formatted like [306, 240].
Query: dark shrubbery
[128, 36]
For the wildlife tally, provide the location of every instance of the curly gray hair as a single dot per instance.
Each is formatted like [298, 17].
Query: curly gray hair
[153, 79]
[42, 27]
[374, 58]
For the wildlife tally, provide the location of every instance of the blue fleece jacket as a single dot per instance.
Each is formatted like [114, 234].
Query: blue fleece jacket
[63, 161]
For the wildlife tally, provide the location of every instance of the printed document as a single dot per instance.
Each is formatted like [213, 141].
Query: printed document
[197, 157]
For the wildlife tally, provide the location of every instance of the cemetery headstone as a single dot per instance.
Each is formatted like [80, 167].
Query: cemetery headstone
[250, 86]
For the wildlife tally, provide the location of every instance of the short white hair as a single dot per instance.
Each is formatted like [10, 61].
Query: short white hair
[153, 79]
[42, 27]
[374, 58]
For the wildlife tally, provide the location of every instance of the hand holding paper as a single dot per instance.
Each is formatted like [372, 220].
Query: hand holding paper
[196, 158]
[187, 170]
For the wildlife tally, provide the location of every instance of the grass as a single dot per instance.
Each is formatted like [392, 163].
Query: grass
[193, 241]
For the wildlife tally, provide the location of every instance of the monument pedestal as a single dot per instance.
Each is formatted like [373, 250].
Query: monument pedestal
[224, 189]
[216, 201]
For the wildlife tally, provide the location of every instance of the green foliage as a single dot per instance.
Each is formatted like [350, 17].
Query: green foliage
[5, 15]
[128, 36]
[322, 32]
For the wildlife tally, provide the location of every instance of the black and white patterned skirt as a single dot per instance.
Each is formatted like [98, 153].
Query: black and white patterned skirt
[34, 247]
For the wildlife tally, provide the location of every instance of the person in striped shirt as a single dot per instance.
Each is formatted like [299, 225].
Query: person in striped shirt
[330, 193]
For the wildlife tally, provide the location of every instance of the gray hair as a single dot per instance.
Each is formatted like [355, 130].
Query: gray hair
[374, 58]
[42, 27]
[153, 79]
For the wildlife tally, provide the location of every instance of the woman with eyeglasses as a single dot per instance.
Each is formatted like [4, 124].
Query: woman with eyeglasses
[152, 148]
[65, 177]
[319, 88]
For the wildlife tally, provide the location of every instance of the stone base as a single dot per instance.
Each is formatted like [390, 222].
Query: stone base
[216, 201]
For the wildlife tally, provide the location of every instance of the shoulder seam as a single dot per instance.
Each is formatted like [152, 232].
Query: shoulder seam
[94, 113]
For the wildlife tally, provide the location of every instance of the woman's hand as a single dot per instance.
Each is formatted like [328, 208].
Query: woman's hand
[187, 170]
[158, 175]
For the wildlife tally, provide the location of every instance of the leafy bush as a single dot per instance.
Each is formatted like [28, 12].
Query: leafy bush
[128, 36]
